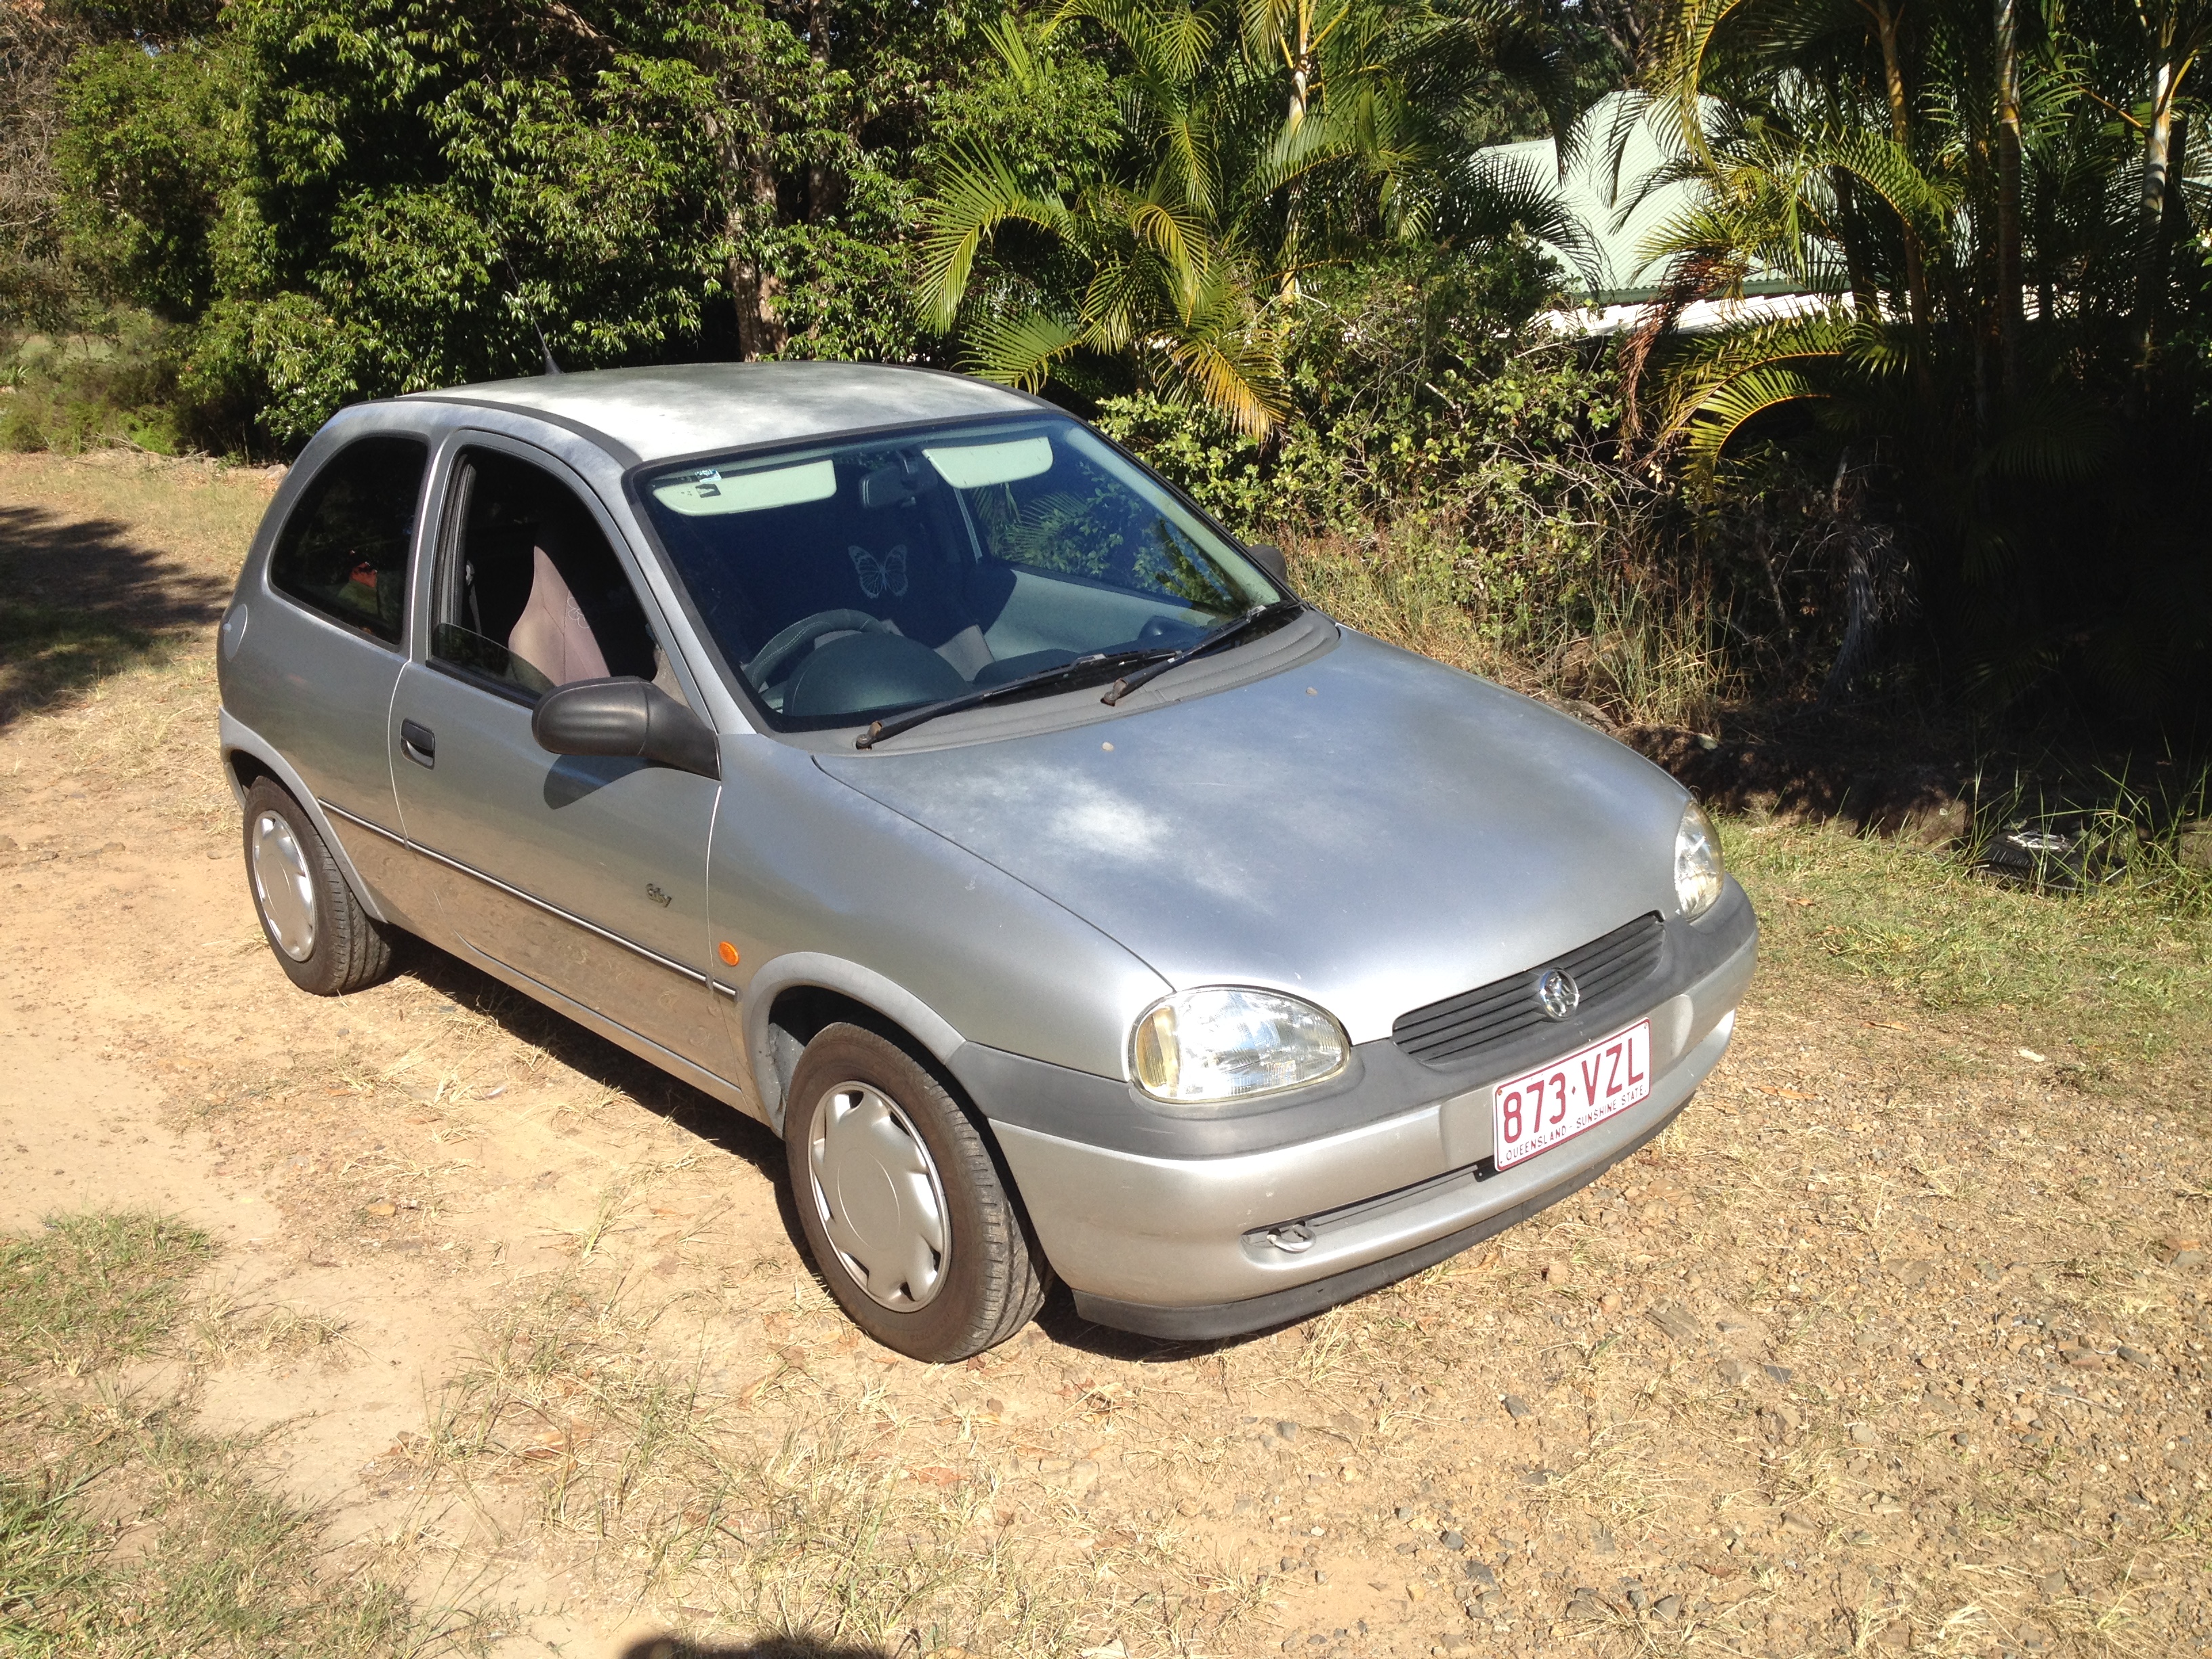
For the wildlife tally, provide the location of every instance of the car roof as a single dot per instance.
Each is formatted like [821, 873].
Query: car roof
[690, 409]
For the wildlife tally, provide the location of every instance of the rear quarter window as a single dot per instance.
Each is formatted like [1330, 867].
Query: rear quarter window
[343, 551]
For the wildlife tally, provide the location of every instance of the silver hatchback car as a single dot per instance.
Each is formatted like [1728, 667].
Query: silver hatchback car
[893, 758]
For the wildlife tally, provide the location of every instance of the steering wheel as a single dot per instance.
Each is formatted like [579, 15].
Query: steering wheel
[768, 661]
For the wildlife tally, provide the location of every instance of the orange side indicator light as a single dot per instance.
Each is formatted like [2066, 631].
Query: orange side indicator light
[728, 953]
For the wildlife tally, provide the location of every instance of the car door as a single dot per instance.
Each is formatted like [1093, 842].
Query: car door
[587, 875]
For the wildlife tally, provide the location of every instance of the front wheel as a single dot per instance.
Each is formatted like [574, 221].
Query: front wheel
[322, 939]
[903, 1208]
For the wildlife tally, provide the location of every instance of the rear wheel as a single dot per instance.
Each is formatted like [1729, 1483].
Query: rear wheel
[914, 1233]
[322, 939]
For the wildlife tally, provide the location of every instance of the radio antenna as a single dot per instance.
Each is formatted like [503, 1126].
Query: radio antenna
[551, 368]
[545, 351]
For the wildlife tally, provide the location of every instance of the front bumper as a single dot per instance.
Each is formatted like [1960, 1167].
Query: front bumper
[1204, 1322]
[1184, 1247]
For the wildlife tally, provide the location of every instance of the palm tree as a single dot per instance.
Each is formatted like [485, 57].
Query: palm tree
[1266, 138]
[1926, 164]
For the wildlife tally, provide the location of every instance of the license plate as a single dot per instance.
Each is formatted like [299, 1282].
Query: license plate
[1536, 1112]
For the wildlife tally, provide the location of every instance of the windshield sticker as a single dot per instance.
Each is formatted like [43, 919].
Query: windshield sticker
[971, 466]
[710, 493]
[876, 574]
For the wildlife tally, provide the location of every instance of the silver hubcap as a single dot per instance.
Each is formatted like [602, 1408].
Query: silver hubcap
[284, 889]
[877, 1192]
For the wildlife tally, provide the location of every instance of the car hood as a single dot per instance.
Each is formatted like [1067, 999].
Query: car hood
[1371, 830]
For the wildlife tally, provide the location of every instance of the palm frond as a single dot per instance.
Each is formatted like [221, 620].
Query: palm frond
[1493, 196]
[1219, 356]
[1020, 351]
[1173, 38]
[1722, 414]
[2050, 439]
[976, 193]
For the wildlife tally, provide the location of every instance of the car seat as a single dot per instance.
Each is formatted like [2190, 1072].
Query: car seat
[552, 634]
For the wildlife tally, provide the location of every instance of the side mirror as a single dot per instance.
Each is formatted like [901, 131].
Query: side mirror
[1269, 558]
[626, 717]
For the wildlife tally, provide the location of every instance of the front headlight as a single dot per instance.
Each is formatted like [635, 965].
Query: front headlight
[1697, 863]
[1224, 1043]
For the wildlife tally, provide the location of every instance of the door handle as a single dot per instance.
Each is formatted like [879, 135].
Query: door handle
[420, 743]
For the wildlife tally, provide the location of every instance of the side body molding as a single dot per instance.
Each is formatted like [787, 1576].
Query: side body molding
[815, 969]
[237, 738]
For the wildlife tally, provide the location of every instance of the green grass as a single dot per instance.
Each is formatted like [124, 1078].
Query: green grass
[95, 1290]
[50, 651]
[2106, 982]
[123, 1529]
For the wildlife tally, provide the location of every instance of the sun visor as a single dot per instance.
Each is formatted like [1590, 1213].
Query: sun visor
[971, 466]
[710, 493]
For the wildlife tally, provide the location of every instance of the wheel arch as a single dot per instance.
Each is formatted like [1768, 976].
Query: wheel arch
[794, 996]
[247, 756]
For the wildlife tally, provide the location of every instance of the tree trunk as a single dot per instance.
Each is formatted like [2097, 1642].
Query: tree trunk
[2150, 218]
[1859, 612]
[1850, 235]
[1901, 126]
[2045, 238]
[2008, 148]
[1299, 54]
[1625, 23]
[820, 187]
[738, 129]
[751, 210]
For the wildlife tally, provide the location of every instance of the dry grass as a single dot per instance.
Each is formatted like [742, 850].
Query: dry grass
[1626, 657]
[220, 1330]
[124, 1530]
[776, 1502]
[113, 570]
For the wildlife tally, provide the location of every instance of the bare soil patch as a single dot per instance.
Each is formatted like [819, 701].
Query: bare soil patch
[1894, 1344]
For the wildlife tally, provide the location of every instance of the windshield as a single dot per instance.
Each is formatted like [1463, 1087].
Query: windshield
[847, 580]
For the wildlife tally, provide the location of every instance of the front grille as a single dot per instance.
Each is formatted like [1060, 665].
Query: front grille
[1608, 969]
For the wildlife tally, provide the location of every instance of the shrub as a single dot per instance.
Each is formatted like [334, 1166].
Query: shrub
[110, 383]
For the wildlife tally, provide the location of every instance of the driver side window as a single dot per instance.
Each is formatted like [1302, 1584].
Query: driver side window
[529, 596]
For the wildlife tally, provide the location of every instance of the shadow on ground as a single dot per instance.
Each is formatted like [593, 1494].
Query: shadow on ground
[700, 1115]
[81, 601]
[731, 1132]
[773, 1647]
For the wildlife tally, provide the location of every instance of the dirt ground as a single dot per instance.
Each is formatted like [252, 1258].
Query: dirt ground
[1895, 1343]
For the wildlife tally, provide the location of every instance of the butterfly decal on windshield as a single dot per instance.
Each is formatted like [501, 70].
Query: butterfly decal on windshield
[877, 574]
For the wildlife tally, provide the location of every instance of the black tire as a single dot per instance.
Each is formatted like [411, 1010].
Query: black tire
[989, 1283]
[345, 948]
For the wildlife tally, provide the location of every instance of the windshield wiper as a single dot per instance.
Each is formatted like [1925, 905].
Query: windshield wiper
[929, 711]
[1235, 626]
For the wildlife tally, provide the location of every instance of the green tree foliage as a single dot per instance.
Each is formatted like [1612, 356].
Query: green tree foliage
[1440, 438]
[147, 160]
[336, 199]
